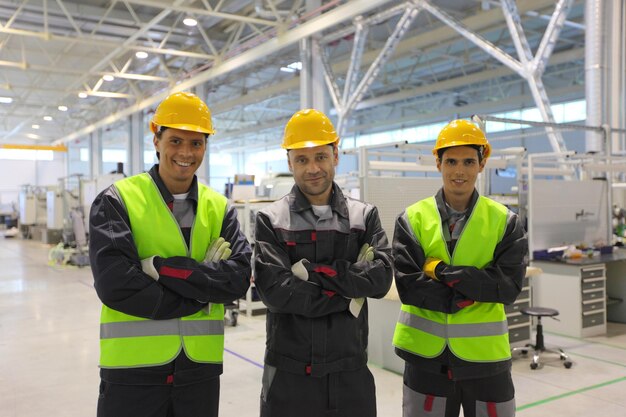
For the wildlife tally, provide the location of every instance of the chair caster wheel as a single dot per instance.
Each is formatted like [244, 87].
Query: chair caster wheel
[567, 364]
[534, 365]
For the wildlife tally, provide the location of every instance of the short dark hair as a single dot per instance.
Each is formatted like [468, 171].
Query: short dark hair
[162, 129]
[479, 149]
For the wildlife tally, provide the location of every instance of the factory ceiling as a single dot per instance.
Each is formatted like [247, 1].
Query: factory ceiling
[69, 68]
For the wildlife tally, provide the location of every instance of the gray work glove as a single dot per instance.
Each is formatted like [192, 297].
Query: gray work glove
[366, 254]
[147, 266]
[219, 250]
[299, 269]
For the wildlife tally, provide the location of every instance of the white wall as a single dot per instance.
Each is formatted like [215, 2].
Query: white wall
[14, 174]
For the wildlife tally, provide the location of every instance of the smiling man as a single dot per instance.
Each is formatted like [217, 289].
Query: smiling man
[166, 253]
[458, 258]
[318, 254]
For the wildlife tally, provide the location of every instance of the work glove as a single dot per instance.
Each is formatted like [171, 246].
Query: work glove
[459, 302]
[299, 269]
[219, 250]
[366, 254]
[147, 266]
[429, 268]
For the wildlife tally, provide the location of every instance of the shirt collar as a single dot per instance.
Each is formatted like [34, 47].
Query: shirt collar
[167, 196]
[441, 204]
[337, 202]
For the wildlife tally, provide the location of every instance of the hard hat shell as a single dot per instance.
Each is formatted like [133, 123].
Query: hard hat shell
[309, 128]
[462, 133]
[185, 111]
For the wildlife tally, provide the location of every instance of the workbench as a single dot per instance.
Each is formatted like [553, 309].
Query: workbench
[587, 291]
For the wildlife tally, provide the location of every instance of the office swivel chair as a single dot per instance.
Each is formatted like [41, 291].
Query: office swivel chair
[539, 346]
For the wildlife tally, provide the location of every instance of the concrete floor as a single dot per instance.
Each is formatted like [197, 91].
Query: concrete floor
[49, 353]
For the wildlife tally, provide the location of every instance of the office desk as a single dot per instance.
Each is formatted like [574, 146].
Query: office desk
[578, 288]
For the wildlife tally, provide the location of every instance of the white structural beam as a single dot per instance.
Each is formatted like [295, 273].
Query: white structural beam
[330, 79]
[526, 66]
[372, 72]
[353, 93]
[280, 41]
[535, 83]
[205, 12]
[476, 39]
[557, 21]
[355, 58]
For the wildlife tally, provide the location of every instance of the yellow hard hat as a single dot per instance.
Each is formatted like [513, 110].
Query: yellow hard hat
[309, 128]
[185, 111]
[462, 133]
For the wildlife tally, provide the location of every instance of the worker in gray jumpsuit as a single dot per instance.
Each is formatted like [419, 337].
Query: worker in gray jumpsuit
[318, 255]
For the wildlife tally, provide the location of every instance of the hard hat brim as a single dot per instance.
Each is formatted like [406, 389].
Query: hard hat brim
[183, 126]
[308, 144]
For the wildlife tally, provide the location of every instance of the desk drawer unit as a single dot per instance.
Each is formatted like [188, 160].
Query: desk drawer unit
[519, 324]
[593, 300]
[520, 334]
[578, 292]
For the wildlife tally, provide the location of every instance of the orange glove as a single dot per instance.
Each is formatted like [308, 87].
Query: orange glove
[429, 268]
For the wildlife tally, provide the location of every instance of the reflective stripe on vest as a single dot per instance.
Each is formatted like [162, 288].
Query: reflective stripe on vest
[129, 341]
[161, 328]
[453, 330]
[478, 332]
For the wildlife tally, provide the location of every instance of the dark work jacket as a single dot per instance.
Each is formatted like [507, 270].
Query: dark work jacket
[309, 327]
[121, 284]
[499, 282]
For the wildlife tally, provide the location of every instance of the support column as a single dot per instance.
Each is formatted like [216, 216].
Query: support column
[95, 153]
[312, 91]
[595, 71]
[205, 167]
[135, 143]
[617, 74]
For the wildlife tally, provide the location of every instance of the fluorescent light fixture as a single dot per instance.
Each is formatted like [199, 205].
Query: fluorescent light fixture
[108, 77]
[190, 21]
[62, 108]
[33, 136]
[47, 118]
[293, 67]
[35, 126]
[6, 100]
[141, 54]
[82, 95]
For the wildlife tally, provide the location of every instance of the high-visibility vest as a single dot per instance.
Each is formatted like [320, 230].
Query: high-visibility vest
[479, 332]
[128, 341]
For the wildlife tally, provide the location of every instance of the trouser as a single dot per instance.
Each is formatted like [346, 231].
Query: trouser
[338, 394]
[435, 395]
[197, 399]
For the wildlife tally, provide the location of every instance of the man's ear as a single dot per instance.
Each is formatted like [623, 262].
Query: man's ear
[482, 165]
[156, 141]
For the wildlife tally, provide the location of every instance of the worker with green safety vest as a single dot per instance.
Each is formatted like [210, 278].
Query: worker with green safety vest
[166, 253]
[459, 257]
